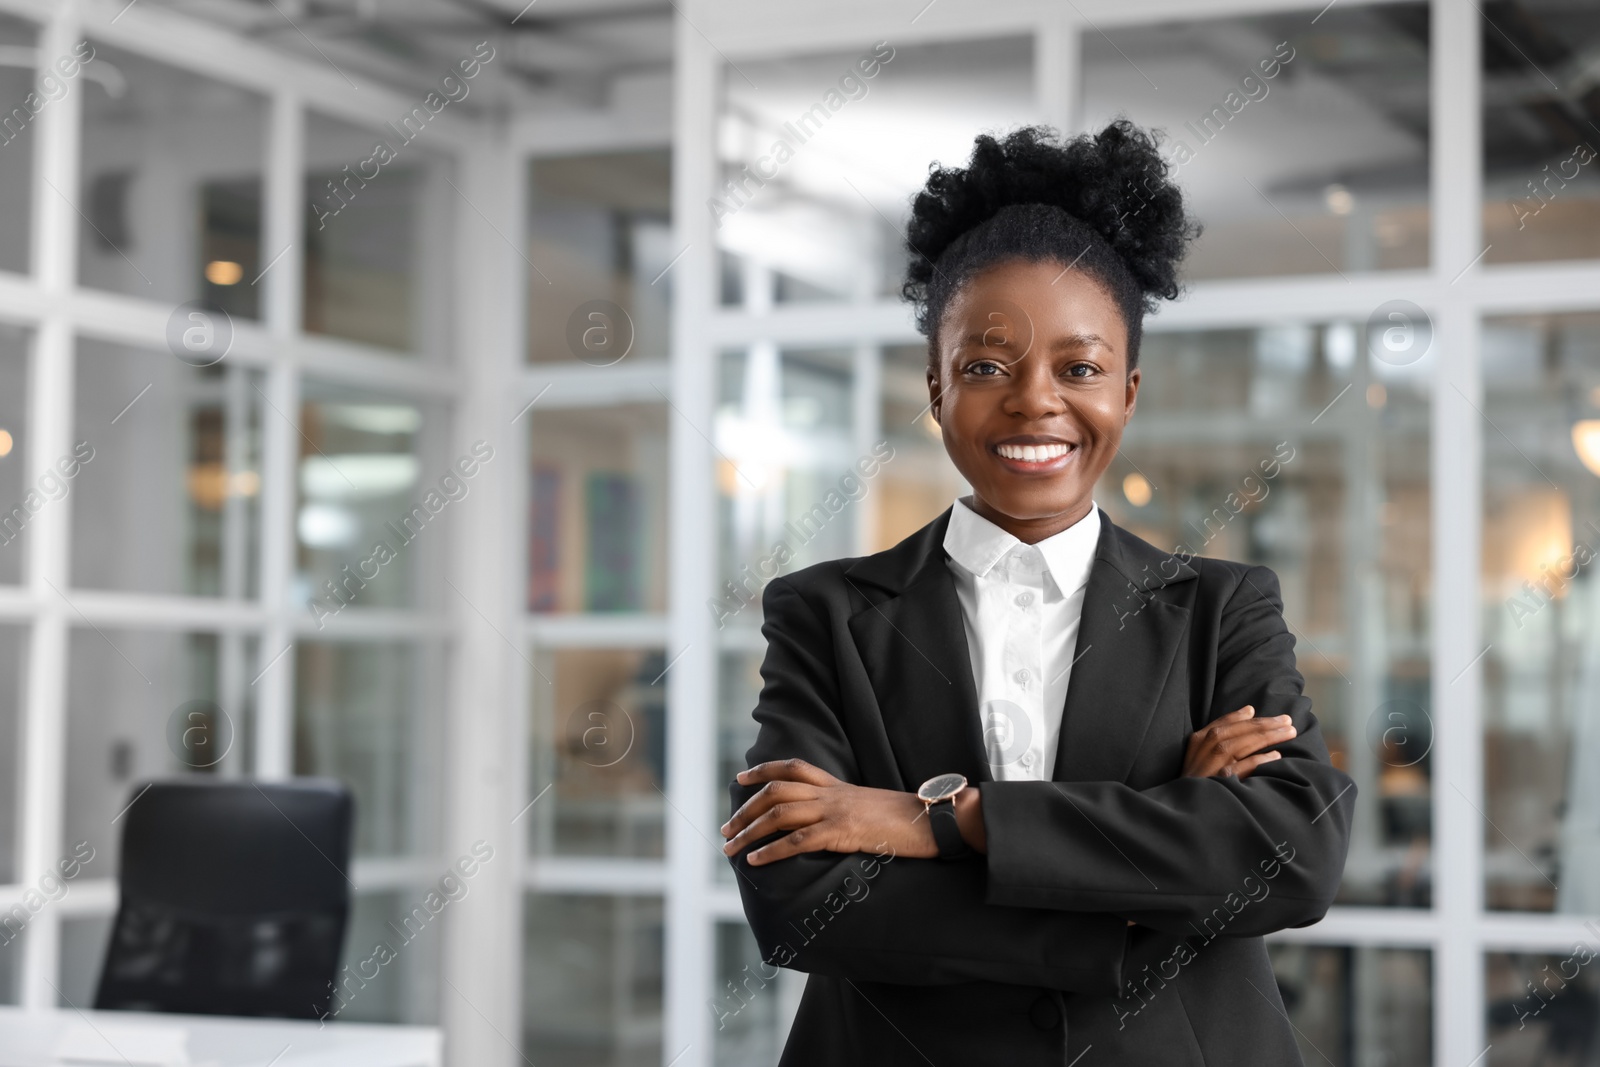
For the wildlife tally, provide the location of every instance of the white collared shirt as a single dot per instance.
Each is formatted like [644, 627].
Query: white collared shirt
[1021, 605]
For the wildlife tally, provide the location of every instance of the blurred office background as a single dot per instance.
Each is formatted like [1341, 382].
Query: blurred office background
[567, 281]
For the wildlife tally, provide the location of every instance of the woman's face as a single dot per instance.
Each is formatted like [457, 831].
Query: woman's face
[1032, 392]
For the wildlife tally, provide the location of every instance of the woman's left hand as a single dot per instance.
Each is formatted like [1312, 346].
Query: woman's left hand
[823, 814]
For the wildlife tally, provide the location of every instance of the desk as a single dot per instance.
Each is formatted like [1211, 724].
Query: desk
[34, 1039]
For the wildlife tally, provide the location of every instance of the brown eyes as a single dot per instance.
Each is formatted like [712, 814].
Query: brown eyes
[1076, 370]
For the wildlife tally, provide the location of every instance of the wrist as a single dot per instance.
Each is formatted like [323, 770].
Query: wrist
[969, 818]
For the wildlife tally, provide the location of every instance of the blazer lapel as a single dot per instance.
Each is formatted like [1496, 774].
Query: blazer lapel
[913, 642]
[1128, 636]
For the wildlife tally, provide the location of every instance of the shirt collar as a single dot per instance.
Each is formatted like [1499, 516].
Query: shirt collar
[976, 545]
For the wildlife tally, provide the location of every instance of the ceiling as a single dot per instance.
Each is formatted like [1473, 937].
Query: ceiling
[572, 49]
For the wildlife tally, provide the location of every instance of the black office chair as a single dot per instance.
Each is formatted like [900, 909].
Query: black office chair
[234, 899]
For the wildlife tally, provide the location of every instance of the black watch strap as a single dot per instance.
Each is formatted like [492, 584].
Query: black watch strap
[946, 831]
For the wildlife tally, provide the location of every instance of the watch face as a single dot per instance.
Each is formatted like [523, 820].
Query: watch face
[941, 787]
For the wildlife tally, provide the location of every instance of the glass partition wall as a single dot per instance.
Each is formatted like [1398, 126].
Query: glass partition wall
[1347, 348]
[219, 403]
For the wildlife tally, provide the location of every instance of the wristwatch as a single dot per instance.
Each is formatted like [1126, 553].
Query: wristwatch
[938, 799]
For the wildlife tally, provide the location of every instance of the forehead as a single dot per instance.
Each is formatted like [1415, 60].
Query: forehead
[1044, 302]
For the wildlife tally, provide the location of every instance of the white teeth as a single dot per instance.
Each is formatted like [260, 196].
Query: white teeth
[1034, 453]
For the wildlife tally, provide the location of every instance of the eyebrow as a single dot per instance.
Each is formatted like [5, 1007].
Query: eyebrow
[1072, 340]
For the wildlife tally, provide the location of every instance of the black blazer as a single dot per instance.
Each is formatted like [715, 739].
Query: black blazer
[1024, 956]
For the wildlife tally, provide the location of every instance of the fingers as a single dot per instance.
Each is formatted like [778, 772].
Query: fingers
[788, 816]
[1243, 768]
[791, 770]
[767, 797]
[1222, 745]
[793, 843]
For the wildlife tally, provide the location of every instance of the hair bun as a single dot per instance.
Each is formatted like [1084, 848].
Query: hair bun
[1114, 181]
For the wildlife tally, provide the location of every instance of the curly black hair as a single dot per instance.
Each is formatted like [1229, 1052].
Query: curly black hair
[1100, 202]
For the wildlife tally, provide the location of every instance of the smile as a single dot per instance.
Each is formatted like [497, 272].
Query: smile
[1033, 453]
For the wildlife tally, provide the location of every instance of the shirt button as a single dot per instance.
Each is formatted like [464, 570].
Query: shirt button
[1027, 759]
[1023, 676]
[1024, 599]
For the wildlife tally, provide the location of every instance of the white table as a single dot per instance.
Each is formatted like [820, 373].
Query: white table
[41, 1039]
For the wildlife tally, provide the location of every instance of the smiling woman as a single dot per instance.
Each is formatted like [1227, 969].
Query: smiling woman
[1079, 791]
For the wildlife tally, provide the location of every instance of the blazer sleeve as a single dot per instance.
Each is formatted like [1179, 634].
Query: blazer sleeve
[876, 917]
[1242, 857]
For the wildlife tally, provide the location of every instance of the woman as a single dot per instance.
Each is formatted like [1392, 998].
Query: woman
[1122, 786]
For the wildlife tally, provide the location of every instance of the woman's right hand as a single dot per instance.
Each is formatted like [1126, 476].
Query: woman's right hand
[1231, 745]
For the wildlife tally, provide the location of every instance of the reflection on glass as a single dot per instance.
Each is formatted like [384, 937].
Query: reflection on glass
[820, 154]
[12, 655]
[144, 704]
[592, 980]
[379, 211]
[161, 148]
[15, 513]
[597, 514]
[1300, 140]
[165, 473]
[367, 714]
[790, 478]
[386, 936]
[1541, 613]
[753, 1001]
[1542, 1008]
[1356, 1006]
[83, 950]
[1297, 448]
[373, 513]
[599, 737]
[1541, 192]
[600, 230]
[20, 68]
[921, 481]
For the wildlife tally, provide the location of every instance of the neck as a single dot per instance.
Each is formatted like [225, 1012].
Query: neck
[1032, 531]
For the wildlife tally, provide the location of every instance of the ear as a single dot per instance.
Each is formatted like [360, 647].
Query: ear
[935, 394]
[1130, 395]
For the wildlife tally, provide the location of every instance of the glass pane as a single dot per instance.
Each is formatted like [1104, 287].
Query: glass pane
[392, 935]
[1351, 1007]
[22, 500]
[379, 217]
[374, 503]
[170, 201]
[592, 981]
[11, 972]
[1302, 148]
[166, 473]
[1294, 447]
[598, 509]
[1542, 1008]
[822, 153]
[1541, 195]
[83, 950]
[600, 737]
[753, 1001]
[738, 689]
[920, 481]
[368, 715]
[600, 241]
[29, 83]
[1541, 613]
[13, 663]
[144, 704]
[789, 475]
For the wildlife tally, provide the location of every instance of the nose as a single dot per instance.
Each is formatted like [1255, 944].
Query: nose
[1034, 393]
